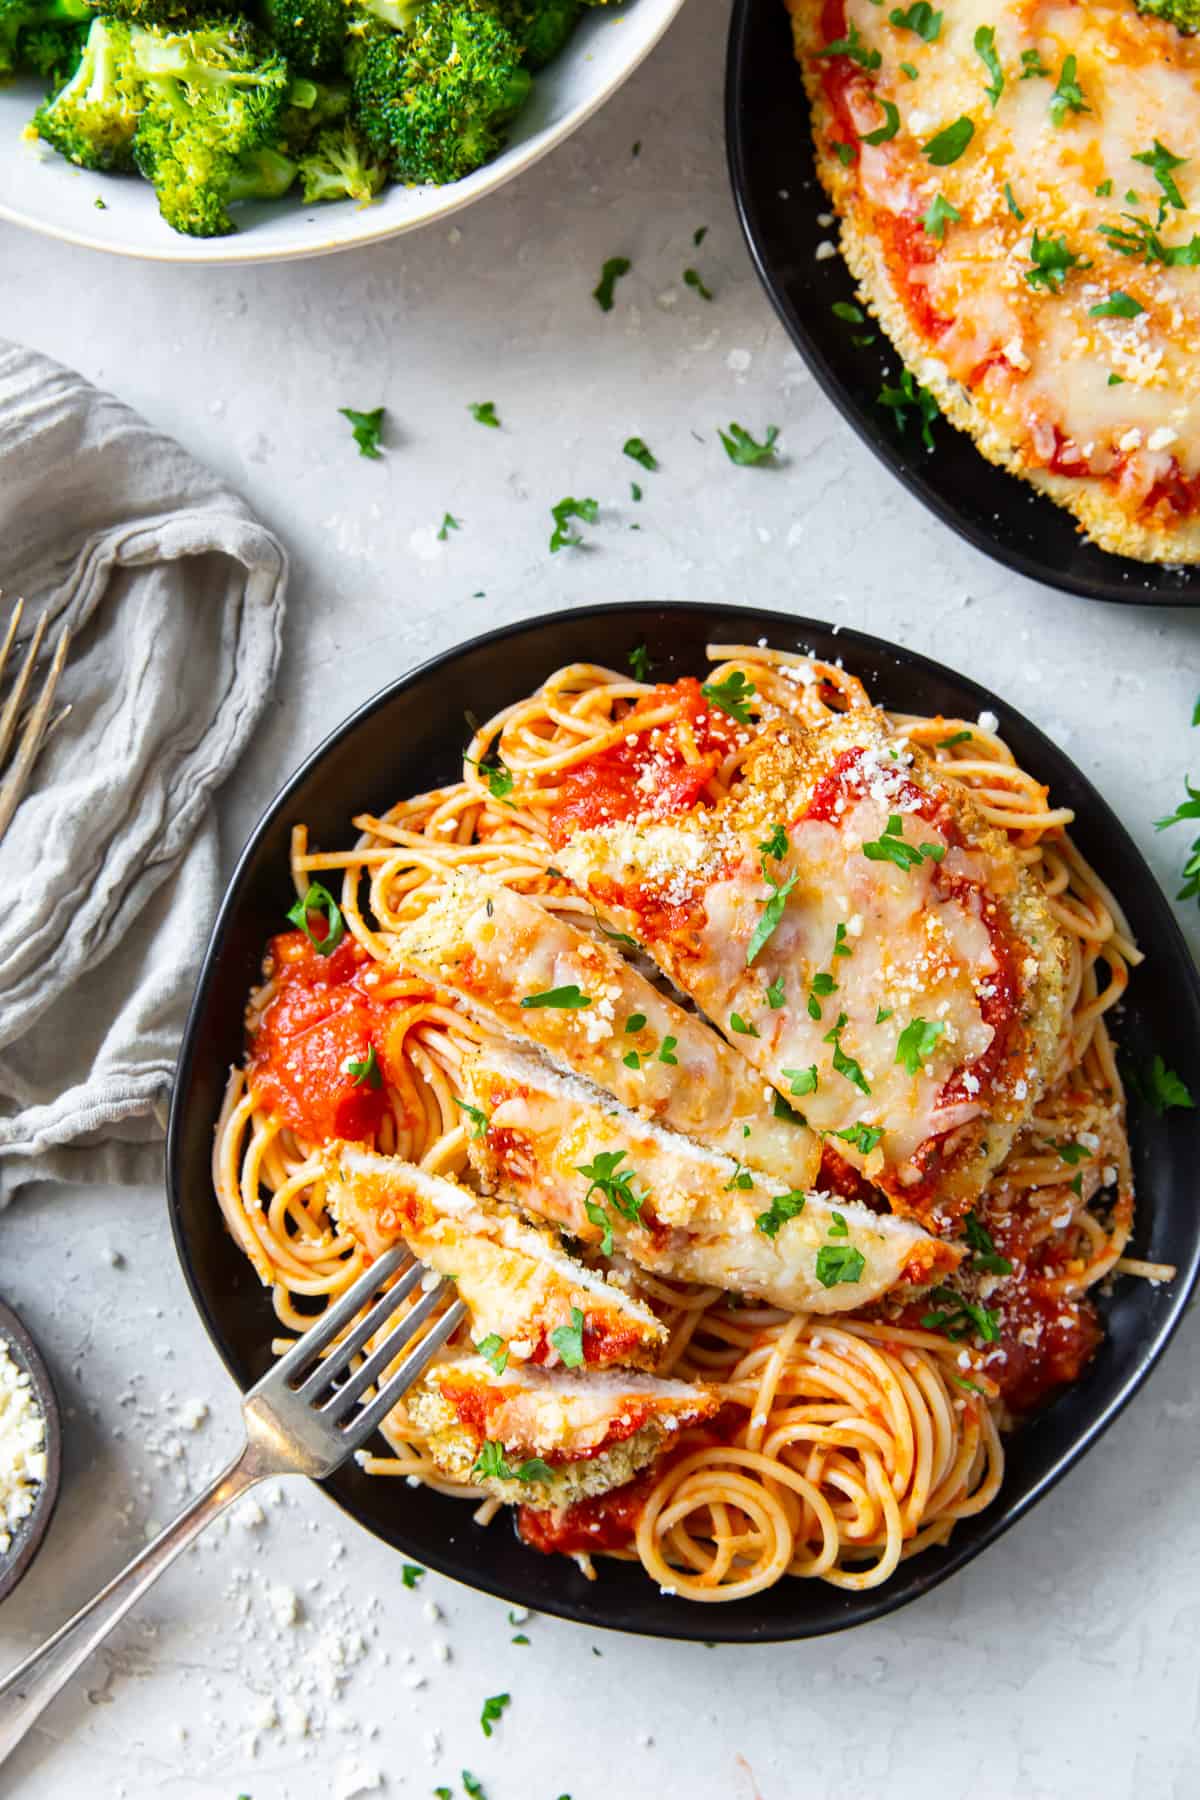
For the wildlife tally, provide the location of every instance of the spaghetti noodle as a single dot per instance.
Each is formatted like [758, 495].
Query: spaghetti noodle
[843, 1443]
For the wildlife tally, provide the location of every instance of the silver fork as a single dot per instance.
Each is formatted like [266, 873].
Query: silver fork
[294, 1426]
[37, 724]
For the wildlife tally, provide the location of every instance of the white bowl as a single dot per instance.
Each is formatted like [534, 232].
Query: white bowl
[41, 190]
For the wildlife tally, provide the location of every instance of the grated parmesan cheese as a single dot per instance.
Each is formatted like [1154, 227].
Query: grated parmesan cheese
[22, 1447]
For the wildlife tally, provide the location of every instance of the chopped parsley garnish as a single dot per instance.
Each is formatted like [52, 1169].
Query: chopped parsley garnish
[600, 1215]
[741, 1178]
[823, 983]
[449, 524]
[635, 1022]
[641, 452]
[909, 69]
[1032, 64]
[939, 215]
[985, 50]
[984, 1255]
[1187, 809]
[1068, 95]
[568, 1341]
[839, 1228]
[632, 1059]
[484, 413]
[491, 1462]
[1139, 238]
[845, 153]
[1052, 261]
[494, 1351]
[919, 18]
[853, 315]
[1161, 161]
[781, 1110]
[782, 1208]
[947, 146]
[961, 1381]
[863, 1137]
[496, 774]
[853, 46]
[472, 1786]
[882, 1013]
[956, 737]
[775, 994]
[1160, 1087]
[840, 946]
[838, 1263]
[956, 1317]
[569, 508]
[366, 1073]
[843, 1064]
[635, 493]
[917, 1043]
[666, 1052]
[493, 1711]
[883, 134]
[770, 916]
[738, 1024]
[605, 1176]
[1013, 208]
[1104, 189]
[742, 449]
[569, 998]
[802, 1081]
[892, 847]
[731, 696]
[410, 1574]
[610, 274]
[691, 278]
[320, 901]
[367, 430]
[909, 395]
[639, 662]
[699, 235]
[775, 846]
[1119, 305]
[1070, 1151]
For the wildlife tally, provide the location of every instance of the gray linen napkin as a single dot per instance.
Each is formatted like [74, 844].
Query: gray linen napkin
[108, 874]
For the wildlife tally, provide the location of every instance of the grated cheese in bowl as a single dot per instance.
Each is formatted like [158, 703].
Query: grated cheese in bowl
[22, 1447]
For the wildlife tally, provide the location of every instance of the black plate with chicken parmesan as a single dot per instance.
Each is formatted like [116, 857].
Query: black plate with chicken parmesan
[1023, 263]
[731, 1014]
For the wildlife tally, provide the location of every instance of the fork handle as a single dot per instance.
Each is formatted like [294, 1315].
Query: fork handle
[26, 1693]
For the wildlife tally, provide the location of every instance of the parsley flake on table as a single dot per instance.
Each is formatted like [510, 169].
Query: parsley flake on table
[692, 279]
[484, 413]
[1119, 305]
[1163, 163]
[919, 18]
[731, 696]
[1068, 95]
[367, 1072]
[568, 1341]
[743, 449]
[1187, 809]
[641, 452]
[883, 134]
[449, 524]
[699, 235]
[939, 214]
[893, 847]
[1052, 262]
[319, 901]
[910, 395]
[917, 1043]
[472, 1786]
[947, 146]
[411, 1573]
[838, 1263]
[367, 430]
[610, 274]
[567, 998]
[782, 1208]
[569, 508]
[853, 46]
[985, 50]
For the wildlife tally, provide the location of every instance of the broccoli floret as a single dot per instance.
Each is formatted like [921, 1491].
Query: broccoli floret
[22, 20]
[211, 95]
[541, 27]
[1183, 14]
[52, 54]
[435, 102]
[340, 166]
[312, 107]
[92, 119]
[397, 15]
[150, 12]
[309, 32]
[260, 175]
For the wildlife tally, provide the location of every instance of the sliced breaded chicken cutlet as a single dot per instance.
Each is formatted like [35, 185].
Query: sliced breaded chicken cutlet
[565, 1152]
[528, 973]
[515, 1280]
[548, 1437]
[867, 942]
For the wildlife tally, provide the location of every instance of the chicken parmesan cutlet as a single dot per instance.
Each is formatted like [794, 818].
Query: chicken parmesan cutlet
[1018, 184]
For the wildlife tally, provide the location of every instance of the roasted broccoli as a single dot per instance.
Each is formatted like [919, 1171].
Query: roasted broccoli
[1183, 14]
[310, 33]
[340, 166]
[435, 103]
[541, 27]
[92, 119]
[210, 96]
[52, 54]
[23, 25]
[311, 107]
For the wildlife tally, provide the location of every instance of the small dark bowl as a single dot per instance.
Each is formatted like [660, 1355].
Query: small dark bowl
[410, 737]
[779, 198]
[29, 1535]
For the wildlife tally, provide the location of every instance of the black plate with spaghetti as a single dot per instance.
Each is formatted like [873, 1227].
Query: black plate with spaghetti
[779, 200]
[410, 737]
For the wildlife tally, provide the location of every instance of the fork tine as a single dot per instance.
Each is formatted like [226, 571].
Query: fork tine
[12, 706]
[361, 1424]
[331, 1366]
[346, 1396]
[305, 1352]
[31, 737]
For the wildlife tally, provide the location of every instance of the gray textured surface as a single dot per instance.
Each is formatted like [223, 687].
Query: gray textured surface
[1066, 1663]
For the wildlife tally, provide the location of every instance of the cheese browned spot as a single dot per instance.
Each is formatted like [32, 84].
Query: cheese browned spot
[909, 997]
[696, 1215]
[591, 1433]
[1098, 410]
[515, 1280]
[492, 949]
